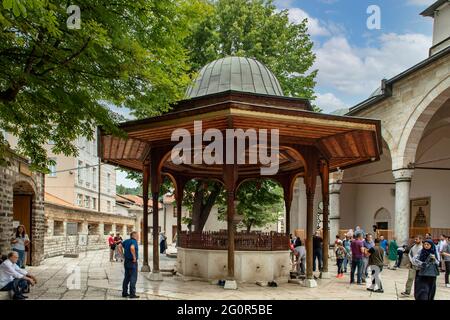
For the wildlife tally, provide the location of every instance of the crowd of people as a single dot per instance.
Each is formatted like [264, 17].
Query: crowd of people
[369, 253]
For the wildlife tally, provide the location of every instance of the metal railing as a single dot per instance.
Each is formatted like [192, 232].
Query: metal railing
[244, 241]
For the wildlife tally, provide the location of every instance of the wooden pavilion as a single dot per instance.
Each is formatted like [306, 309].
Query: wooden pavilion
[311, 145]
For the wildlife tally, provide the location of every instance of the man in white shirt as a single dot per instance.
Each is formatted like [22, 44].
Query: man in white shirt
[13, 278]
[413, 251]
[441, 246]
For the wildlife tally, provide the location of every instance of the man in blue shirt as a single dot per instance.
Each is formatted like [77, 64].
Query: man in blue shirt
[131, 249]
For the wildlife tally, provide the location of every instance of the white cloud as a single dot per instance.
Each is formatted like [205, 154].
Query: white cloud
[421, 2]
[358, 71]
[328, 102]
[315, 27]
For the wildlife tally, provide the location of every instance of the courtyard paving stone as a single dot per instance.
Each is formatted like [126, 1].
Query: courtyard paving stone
[101, 279]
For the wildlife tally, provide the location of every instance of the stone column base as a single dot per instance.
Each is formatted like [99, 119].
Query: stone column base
[310, 283]
[155, 276]
[325, 275]
[230, 285]
[145, 268]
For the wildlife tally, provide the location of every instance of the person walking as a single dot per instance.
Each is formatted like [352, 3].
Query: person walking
[341, 253]
[357, 248]
[368, 243]
[118, 252]
[441, 245]
[112, 246]
[131, 254]
[446, 258]
[400, 251]
[413, 251]
[19, 244]
[392, 257]
[162, 242]
[428, 262]
[317, 250]
[376, 263]
[346, 244]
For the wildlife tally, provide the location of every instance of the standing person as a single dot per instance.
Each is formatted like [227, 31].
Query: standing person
[400, 251]
[384, 244]
[413, 251]
[118, 253]
[13, 278]
[428, 236]
[112, 246]
[392, 253]
[162, 242]
[376, 232]
[368, 243]
[131, 253]
[300, 253]
[346, 244]
[446, 258]
[19, 242]
[337, 240]
[317, 250]
[341, 253]
[425, 285]
[441, 244]
[357, 248]
[376, 263]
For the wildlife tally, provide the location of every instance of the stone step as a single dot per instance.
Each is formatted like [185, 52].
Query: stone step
[5, 295]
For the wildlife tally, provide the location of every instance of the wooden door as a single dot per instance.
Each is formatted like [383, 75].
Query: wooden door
[22, 213]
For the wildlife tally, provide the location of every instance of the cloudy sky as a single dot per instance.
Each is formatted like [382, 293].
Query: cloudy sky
[351, 58]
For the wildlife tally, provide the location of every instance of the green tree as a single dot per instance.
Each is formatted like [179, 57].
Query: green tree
[259, 203]
[254, 28]
[56, 81]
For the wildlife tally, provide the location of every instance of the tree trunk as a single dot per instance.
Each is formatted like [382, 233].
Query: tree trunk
[201, 209]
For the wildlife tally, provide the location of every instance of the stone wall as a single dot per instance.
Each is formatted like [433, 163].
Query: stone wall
[59, 242]
[16, 178]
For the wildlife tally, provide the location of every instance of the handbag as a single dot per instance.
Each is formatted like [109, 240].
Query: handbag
[429, 269]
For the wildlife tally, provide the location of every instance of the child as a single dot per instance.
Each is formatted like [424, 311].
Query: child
[340, 256]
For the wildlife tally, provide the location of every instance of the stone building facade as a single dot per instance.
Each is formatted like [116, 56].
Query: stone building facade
[22, 202]
[71, 230]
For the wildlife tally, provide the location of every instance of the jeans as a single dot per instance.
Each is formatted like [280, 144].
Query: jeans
[345, 263]
[357, 263]
[400, 258]
[366, 266]
[317, 254]
[301, 265]
[21, 260]
[17, 285]
[131, 273]
[447, 271]
[376, 277]
[339, 265]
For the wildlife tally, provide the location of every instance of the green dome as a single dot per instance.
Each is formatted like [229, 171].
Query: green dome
[234, 73]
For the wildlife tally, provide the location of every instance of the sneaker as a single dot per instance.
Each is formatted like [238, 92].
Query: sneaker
[134, 297]
[369, 289]
[379, 291]
[360, 284]
[124, 295]
[405, 294]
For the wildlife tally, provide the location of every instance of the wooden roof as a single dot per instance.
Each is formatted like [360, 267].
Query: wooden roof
[343, 141]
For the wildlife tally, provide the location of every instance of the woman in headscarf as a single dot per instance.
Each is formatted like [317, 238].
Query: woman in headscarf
[425, 286]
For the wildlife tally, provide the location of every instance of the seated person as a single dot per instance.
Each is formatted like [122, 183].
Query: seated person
[12, 277]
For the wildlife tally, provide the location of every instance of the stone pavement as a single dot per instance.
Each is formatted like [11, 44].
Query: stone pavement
[101, 280]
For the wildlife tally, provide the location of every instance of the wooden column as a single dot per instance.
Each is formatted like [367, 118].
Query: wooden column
[155, 177]
[144, 233]
[180, 183]
[230, 178]
[288, 182]
[310, 182]
[325, 179]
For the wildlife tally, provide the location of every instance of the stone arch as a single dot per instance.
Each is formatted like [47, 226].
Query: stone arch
[383, 216]
[417, 122]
